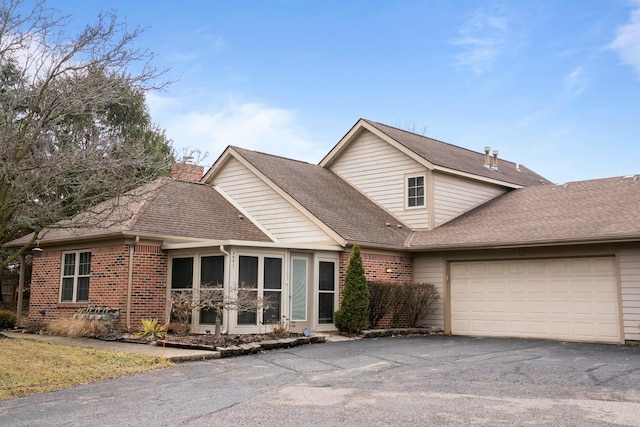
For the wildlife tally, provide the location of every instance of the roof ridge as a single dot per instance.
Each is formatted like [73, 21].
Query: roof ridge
[239, 149]
[436, 140]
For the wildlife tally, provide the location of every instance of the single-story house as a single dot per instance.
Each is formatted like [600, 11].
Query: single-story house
[512, 254]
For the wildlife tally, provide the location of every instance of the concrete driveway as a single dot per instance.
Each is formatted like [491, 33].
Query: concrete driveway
[388, 381]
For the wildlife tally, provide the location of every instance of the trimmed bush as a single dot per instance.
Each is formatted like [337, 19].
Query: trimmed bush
[7, 319]
[405, 303]
[353, 314]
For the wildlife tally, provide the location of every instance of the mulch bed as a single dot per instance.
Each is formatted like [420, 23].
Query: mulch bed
[209, 340]
[199, 341]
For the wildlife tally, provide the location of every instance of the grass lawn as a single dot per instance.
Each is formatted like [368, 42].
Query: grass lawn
[29, 366]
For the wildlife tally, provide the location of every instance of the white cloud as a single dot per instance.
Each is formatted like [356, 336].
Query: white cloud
[627, 41]
[251, 125]
[575, 82]
[482, 38]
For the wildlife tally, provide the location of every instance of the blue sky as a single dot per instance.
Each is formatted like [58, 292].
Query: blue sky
[553, 85]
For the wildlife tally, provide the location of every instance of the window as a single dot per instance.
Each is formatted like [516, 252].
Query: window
[260, 277]
[182, 273]
[181, 289]
[248, 286]
[76, 271]
[272, 289]
[211, 285]
[327, 290]
[415, 191]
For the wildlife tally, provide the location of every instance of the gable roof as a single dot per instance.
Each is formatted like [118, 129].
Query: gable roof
[441, 155]
[330, 199]
[576, 212]
[165, 208]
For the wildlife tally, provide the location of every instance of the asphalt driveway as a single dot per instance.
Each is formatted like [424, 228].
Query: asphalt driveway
[388, 381]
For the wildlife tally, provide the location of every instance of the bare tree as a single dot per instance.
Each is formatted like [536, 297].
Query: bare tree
[74, 127]
[214, 298]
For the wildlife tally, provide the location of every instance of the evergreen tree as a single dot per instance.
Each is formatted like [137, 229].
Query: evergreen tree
[354, 310]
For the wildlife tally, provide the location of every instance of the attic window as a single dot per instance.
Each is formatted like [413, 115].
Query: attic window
[415, 191]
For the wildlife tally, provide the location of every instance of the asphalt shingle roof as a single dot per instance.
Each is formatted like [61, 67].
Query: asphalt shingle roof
[460, 159]
[165, 207]
[330, 199]
[601, 209]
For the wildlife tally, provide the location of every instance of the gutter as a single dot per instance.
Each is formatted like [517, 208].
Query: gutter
[525, 244]
[275, 245]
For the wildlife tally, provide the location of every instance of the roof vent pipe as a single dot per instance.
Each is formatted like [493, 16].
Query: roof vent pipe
[494, 165]
[487, 158]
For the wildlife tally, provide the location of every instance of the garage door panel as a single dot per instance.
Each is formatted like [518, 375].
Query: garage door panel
[569, 299]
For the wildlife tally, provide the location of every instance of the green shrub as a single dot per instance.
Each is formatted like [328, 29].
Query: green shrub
[353, 314]
[7, 319]
[405, 303]
[151, 329]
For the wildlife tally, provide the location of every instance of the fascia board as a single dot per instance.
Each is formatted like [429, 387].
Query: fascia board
[337, 150]
[356, 130]
[525, 244]
[424, 162]
[246, 243]
[477, 177]
[246, 214]
[217, 165]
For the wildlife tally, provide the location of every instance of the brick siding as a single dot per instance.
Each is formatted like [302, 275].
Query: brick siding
[107, 285]
[375, 269]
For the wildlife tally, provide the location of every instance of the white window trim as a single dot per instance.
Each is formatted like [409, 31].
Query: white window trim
[336, 292]
[76, 276]
[195, 284]
[260, 289]
[406, 190]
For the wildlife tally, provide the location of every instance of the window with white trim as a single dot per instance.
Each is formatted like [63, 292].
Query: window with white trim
[326, 291]
[415, 191]
[260, 277]
[76, 272]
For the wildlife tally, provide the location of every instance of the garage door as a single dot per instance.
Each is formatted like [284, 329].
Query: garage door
[568, 299]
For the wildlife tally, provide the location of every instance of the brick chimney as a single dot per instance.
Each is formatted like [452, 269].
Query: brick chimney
[187, 172]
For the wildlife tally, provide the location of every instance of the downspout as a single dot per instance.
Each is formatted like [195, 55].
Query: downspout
[20, 290]
[130, 281]
[227, 273]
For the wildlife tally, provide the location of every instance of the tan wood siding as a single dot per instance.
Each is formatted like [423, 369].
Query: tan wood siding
[431, 270]
[630, 289]
[454, 195]
[378, 170]
[267, 207]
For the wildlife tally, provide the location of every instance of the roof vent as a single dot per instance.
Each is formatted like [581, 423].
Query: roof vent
[494, 164]
[399, 226]
[630, 178]
[487, 158]
[561, 185]
[388, 224]
[518, 167]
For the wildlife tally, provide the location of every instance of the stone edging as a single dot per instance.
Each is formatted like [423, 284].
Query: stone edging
[255, 347]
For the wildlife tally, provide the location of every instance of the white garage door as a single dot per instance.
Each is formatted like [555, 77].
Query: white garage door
[569, 299]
